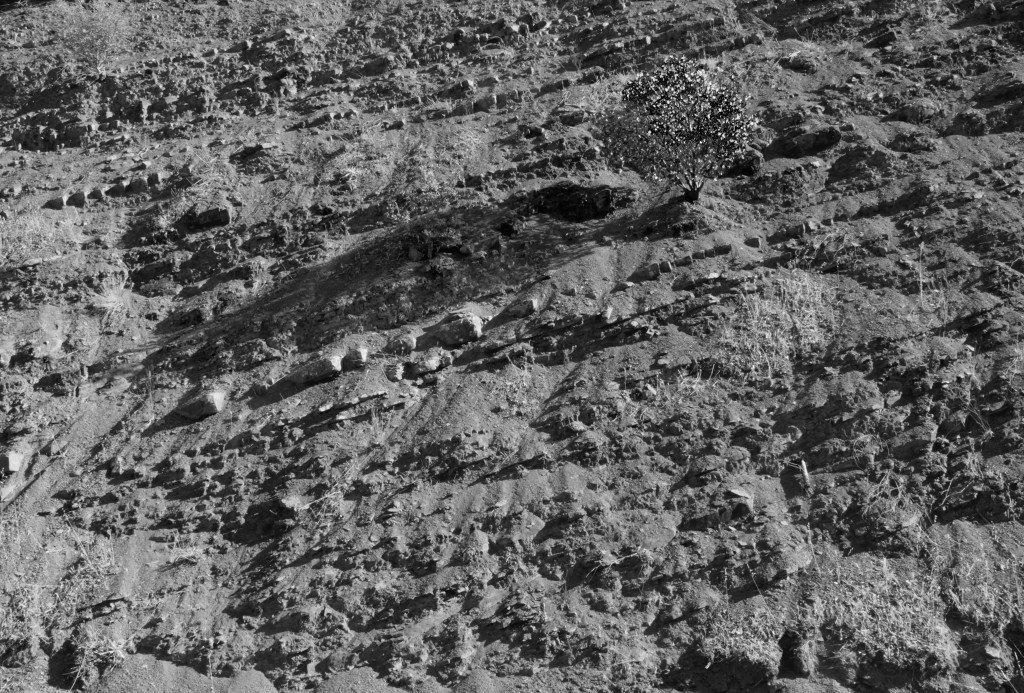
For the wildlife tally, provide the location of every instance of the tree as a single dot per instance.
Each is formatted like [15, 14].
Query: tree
[679, 123]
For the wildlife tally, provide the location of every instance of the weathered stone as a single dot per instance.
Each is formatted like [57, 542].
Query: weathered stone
[803, 140]
[356, 358]
[219, 213]
[886, 38]
[318, 371]
[57, 202]
[402, 344]
[919, 111]
[77, 199]
[576, 202]
[206, 404]
[394, 372]
[12, 461]
[459, 328]
[485, 103]
[120, 187]
[138, 186]
[431, 362]
[524, 307]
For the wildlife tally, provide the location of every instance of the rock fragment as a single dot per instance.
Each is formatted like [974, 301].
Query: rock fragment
[206, 404]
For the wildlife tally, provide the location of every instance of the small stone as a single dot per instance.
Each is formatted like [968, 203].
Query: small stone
[77, 199]
[318, 371]
[206, 404]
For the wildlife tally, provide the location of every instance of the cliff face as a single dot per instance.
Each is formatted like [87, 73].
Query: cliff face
[335, 356]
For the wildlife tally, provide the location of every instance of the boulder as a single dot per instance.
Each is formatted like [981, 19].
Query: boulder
[524, 307]
[57, 202]
[394, 372]
[803, 140]
[207, 404]
[401, 345]
[318, 371]
[575, 202]
[137, 186]
[459, 328]
[143, 672]
[431, 362]
[218, 212]
[12, 461]
[356, 358]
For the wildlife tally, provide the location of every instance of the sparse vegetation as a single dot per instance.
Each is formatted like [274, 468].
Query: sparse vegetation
[90, 37]
[792, 317]
[30, 233]
[887, 611]
[598, 439]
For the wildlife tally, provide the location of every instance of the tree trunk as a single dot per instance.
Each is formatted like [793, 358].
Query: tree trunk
[692, 188]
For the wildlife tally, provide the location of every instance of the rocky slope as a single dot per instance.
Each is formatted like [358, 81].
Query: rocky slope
[336, 357]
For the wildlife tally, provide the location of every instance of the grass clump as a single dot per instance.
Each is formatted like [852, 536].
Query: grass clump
[36, 234]
[887, 612]
[745, 639]
[792, 318]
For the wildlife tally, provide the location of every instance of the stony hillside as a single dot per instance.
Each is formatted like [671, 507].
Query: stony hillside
[335, 355]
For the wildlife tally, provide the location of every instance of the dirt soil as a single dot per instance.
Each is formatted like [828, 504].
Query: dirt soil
[335, 356]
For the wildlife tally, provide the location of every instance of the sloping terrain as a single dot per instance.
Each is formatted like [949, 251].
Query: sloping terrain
[335, 355]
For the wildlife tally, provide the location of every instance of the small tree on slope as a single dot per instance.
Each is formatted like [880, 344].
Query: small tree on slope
[679, 124]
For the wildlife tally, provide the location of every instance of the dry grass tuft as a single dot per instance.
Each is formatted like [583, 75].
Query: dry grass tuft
[37, 234]
[793, 317]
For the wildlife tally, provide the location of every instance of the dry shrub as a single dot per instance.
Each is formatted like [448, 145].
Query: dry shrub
[90, 36]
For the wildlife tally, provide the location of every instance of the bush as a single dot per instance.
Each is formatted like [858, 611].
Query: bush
[681, 124]
[90, 36]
